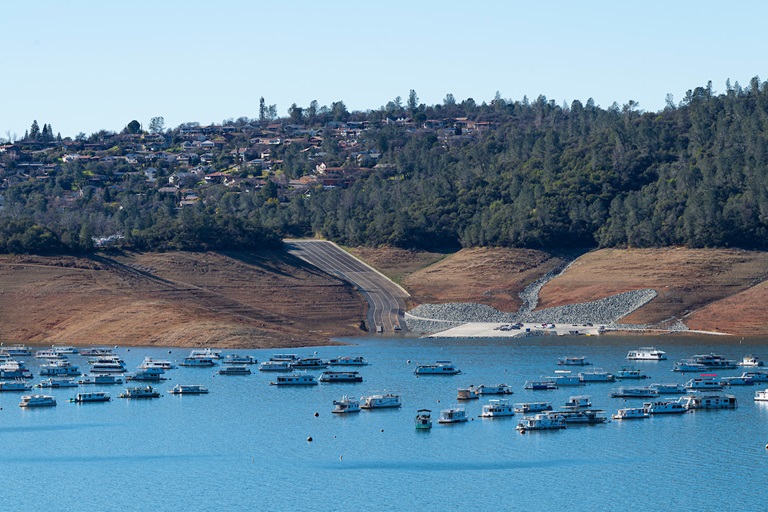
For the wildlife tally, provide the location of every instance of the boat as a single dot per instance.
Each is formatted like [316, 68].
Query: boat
[95, 351]
[309, 363]
[101, 380]
[736, 381]
[13, 370]
[714, 361]
[704, 384]
[664, 407]
[37, 401]
[57, 383]
[577, 402]
[541, 421]
[689, 365]
[14, 385]
[95, 396]
[439, 368]
[291, 358]
[539, 384]
[240, 359]
[581, 417]
[346, 405]
[348, 361]
[626, 372]
[331, 377]
[708, 401]
[381, 401]
[198, 362]
[295, 379]
[668, 389]
[528, 407]
[761, 396]
[423, 419]
[275, 366]
[756, 376]
[468, 393]
[48, 354]
[206, 352]
[139, 392]
[108, 364]
[647, 354]
[59, 368]
[639, 392]
[497, 408]
[498, 389]
[573, 361]
[64, 351]
[188, 389]
[235, 369]
[17, 350]
[631, 413]
[148, 375]
[455, 414]
[564, 378]
[163, 364]
[596, 375]
[751, 361]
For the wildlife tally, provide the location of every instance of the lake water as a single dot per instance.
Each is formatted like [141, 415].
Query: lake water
[244, 446]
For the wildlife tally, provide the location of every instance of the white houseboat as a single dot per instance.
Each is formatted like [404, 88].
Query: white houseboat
[664, 407]
[188, 389]
[631, 413]
[529, 407]
[95, 396]
[647, 354]
[37, 401]
[439, 368]
[294, 379]
[708, 401]
[332, 377]
[381, 401]
[455, 414]
[346, 405]
[497, 408]
[541, 421]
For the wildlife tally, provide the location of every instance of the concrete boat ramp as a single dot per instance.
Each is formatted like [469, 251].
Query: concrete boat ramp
[497, 330]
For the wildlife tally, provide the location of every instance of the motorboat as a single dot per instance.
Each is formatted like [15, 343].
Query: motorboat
[629, 373]
[348, 361]
[468, 393]
[704, 384]
[577, 402]
[756, 376]
[708, 401]
[539, 384]
[455, 414]
[565, 378]
[647, 354]
[198, 362]
[101, 380]
[148, 375]
[295, 379]
[235, 369]
[309, 363]
[639, 392]
[423, 419]
[689, 366]
[439, 368]
[331, 377]
[206, 352]
[59, 368]
[291, 358]
[346, 405]
[95, 396]
[240, 359]
[275, 366]
[188, 389]
[529, 407]
[736, 381]
[139, 392]
[498, 389]
[541, 421]
[381, 401]
[596, 375]
[668, 388]
[57, 383]
[631, 413]
[761, 396]
[664, 407]
[573, 361]
[14, 385]
[581, 417]
[163, 364]
[497, 408]
[751, 362]
[37, 401]
[714, 361]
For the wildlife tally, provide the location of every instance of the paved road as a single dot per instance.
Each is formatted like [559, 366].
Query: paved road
[385, 298]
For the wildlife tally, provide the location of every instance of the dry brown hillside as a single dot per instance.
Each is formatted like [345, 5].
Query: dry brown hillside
[179, 299]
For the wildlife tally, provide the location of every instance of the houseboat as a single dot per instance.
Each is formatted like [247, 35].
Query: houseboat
[596, 375]
[541, 421]
[455, 414]
[101, 380]
[573, 361]
[331, 377]
[162, 364]
[57, 368]
[708, 401]
[139, 392]
[188, 389]
[565, 378]
[639, 392]
[497, 408]
[714, 361]
[539, 385]
[751, 362]
[668, 388]
[14, 385]
[631, 413]
[423, 419]
[275, 366]
[581, 417]
[148, 375]
[629, 373]
[295, 379]
[529, 407]
[96, 396]
[235, 369]
[57, 383]
[761, 396]
[647, 354]
[468, 393]
[346, 405]
[664, 407]
[240, 359]
[309, 363]
[704, 384]
[498, 389]
[206, 352]
[348, 361]
[37, 401]
[198, 362]
[689, 366]
[381, 401]
[439, 368]
[577, 402]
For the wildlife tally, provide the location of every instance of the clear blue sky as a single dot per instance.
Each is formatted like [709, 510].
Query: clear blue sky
[86, 65]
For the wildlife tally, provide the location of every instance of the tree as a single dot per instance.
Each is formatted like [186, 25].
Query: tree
[449, 100]
[34, 131]
[157, 124]
[262, 110]
[133, 127]
[296, 114]
[413, 102]
[312, 112]
[272, 112]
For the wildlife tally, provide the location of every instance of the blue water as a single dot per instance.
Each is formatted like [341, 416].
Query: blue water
[244, 446]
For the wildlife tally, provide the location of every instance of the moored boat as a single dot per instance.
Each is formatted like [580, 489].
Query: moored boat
[348, 361]
[708, 401]
[240, 359]
[139, 392]
[102, 380]
[381, 401]
[206, 352]
[17, 350]
[95, 396]
[751, 361]
[346, 405]
[275, 366]
[761, 396]
[188, 389]
[689, 366]
[664, 407]
[736, 381]
[634, 392]
[529, 407]
[577, 402]
[331, 377]
[573, 361]
[596, 375]
[149, 362]
[198, 362]
[714, 361]
[704, 384]
[309, 363]
[423, 419]
[539, 385]
[668, 388]
[147, 375]
[581, 417]
[438, 368]
[37, 401]
[468, 393]
[541, 421]
[629, 373]
[498, 389]
[497, 408]
[646, 354]
[631, 413]
[57, 383]
[294, 379]
[14, 385]
[235, 369]
[59, 368]
[455, 414]
[565, 378]
[756, 376]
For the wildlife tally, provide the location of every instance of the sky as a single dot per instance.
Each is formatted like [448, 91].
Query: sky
[88, 65]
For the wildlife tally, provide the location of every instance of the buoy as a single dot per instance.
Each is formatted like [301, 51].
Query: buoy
[309, 439]
[408, 362]
[382, 430]
[341, 457]
[522, 431]
[317, 414]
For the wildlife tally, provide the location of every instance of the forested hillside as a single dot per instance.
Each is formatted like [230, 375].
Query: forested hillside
[509, 173]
